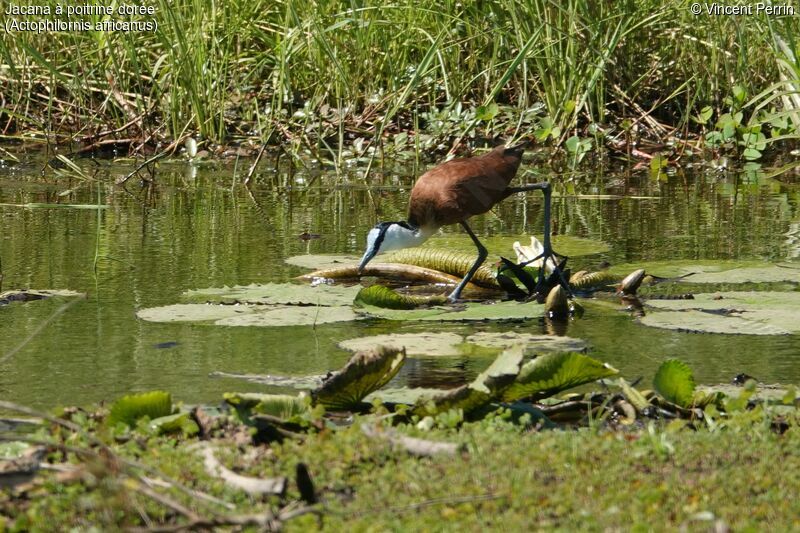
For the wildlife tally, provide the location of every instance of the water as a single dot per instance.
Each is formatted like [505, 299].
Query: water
[193, 228]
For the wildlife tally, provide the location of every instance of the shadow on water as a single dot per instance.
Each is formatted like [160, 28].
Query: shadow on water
[194, 229]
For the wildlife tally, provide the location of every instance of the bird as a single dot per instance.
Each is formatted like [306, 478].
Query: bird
[451, 193]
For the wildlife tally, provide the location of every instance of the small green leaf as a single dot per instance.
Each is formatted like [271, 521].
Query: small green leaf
[674, 381]
[487, 112]
[704, 116]
[751, 154]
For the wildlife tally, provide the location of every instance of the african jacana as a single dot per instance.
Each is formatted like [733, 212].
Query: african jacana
[451, 193]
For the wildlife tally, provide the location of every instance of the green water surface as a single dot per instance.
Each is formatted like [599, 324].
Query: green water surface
[195, 227]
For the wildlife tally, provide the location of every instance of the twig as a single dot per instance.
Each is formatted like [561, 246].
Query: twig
[255, 164]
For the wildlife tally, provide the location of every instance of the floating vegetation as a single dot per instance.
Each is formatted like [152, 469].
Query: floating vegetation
[748, 313]
[450, 262]
[437, 344]
[380, 296]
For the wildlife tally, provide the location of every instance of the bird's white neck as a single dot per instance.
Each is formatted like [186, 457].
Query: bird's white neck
[398, 237]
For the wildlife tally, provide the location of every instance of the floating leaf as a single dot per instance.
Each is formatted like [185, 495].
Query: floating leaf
[723, 271]
[128, 409]
[193, 312]
[248, 315]
[28, 295]
[454, 262]
[278, 293]
[552, 373]
[451, 344]
[384, 297]
[735, 312]
[468, 312]
[425, 343]
[532, 344]
[366, 372]
[290, 315]
[674, 381]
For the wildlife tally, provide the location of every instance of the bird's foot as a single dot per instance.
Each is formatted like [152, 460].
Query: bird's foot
[559, 274]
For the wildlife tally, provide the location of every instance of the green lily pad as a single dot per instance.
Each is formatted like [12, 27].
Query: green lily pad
[468, 312]
[248, 315]
[550, 374]
[278, 293]
[291, 315]
[426, 343]
[366, 372]
[451, 344]
[193, 312]
[322, 261]
[503, 244]
[27, 295]
[531, 343]
[674, 381]
[749, 313]
[724, 271]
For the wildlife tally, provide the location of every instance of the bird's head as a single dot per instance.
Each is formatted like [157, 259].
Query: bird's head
[388, 236]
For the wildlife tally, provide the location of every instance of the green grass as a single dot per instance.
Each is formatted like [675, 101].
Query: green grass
[320, 77]
[656, 478]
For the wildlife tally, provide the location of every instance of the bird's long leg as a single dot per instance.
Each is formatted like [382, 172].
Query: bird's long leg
[482, 253]
[547, 247]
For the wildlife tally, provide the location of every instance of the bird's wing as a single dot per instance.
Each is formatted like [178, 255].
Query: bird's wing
[454, 192]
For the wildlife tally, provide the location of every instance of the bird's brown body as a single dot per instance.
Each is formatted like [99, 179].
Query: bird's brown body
[454, 191]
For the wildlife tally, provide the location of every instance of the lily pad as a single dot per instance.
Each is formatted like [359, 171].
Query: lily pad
[278, 293]
[193, 312]
[749, 313]
[468, 312]
[27, 295]
[723, 271]
[291, 315]
[503, 244]
[426, 343]
[248, 315]
[432, 344]
[321, 261]
[366, 372]
[531, 343]
[552, 373]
